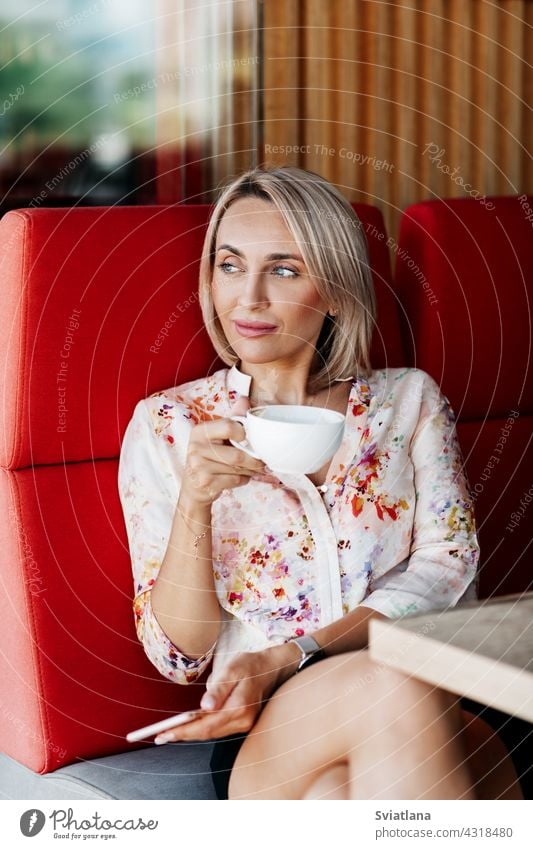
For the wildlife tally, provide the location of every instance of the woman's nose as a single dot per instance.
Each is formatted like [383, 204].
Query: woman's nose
[253, 288]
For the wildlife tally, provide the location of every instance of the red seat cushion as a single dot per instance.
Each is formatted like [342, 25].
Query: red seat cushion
[74, 675]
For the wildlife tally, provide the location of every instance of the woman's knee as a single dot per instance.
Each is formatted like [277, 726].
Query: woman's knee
[332, 783]
[385, 697]
[349, 686]
[311, 716]
[355, 668]
[374, 683]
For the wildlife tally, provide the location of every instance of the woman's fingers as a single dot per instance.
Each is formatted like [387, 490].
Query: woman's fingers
[237, 687]
[199, 729]
[205, 488]
[234, 697]
[218, 429]
[213, 466]
[223, 458]
[219, 724]
[236, 715]
[218, 689]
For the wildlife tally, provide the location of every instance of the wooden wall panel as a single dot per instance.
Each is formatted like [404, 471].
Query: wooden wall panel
[281, 67]
[366, 82]
[207, 114]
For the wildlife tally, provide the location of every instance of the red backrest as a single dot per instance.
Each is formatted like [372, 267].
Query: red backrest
[86, 294]
[464, 275]
[387, 348]
[86, 330]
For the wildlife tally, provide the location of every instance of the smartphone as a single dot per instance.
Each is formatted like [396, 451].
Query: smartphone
[164, 725]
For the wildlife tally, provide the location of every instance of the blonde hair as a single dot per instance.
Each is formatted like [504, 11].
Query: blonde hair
[332, 242]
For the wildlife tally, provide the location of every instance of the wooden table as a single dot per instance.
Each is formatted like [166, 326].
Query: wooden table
[480, 649]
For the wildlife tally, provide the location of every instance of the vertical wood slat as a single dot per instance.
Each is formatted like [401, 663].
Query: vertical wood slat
[461, 117]
[527, 89]
[487, 159]
[350, 105]
[380, 145]
[511, 111]
[319, 93]
[367, 86]
[408, 107]
[282, 73]
[435, 95]
[406, 74]
[243, 116]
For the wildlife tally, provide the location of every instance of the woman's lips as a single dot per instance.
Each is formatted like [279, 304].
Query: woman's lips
[250, 330]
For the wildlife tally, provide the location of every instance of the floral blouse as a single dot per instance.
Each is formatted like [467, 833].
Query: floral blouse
[394, 529]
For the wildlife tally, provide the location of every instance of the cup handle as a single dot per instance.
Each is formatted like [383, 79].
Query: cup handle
[244, 444]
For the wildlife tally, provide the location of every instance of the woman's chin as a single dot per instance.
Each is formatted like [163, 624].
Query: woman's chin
[256, 349]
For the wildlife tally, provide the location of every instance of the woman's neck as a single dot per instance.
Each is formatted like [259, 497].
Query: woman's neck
[278, 387]
[275, 385]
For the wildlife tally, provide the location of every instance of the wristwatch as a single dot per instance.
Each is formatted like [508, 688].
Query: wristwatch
[311, 651]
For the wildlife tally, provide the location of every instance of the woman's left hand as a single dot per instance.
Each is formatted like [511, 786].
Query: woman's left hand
[236, 696]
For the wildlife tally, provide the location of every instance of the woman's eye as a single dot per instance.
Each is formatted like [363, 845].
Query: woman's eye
[227, 267]
[285, 272]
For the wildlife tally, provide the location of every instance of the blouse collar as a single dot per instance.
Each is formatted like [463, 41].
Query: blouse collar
[238, 381]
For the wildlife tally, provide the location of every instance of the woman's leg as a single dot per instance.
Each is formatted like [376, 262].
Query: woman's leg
[492, 772]
[348, 709]
[488, 761]
[332, 783]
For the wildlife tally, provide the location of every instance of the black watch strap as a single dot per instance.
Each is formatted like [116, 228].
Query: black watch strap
[311, 658]
[310, 650]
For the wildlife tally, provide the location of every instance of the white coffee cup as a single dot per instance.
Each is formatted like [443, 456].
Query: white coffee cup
[291, 438]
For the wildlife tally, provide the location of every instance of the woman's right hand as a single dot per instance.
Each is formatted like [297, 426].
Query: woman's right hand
[212, 466]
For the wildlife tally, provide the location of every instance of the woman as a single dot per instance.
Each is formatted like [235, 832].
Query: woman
[240, 565]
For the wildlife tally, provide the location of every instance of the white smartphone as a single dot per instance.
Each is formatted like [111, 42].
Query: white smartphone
[164, 725]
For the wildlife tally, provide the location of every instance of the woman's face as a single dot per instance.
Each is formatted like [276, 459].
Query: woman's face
[259, 276]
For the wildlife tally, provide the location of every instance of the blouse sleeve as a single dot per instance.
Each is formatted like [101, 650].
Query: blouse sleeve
[149, 479]
[444, 554]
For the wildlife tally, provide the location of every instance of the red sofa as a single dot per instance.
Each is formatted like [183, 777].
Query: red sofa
[85, 331]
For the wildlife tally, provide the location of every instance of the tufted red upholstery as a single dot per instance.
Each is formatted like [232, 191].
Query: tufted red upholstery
[75, 678]
[464, 275]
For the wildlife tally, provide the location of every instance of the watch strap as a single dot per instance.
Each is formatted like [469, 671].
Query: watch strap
[310, 650]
